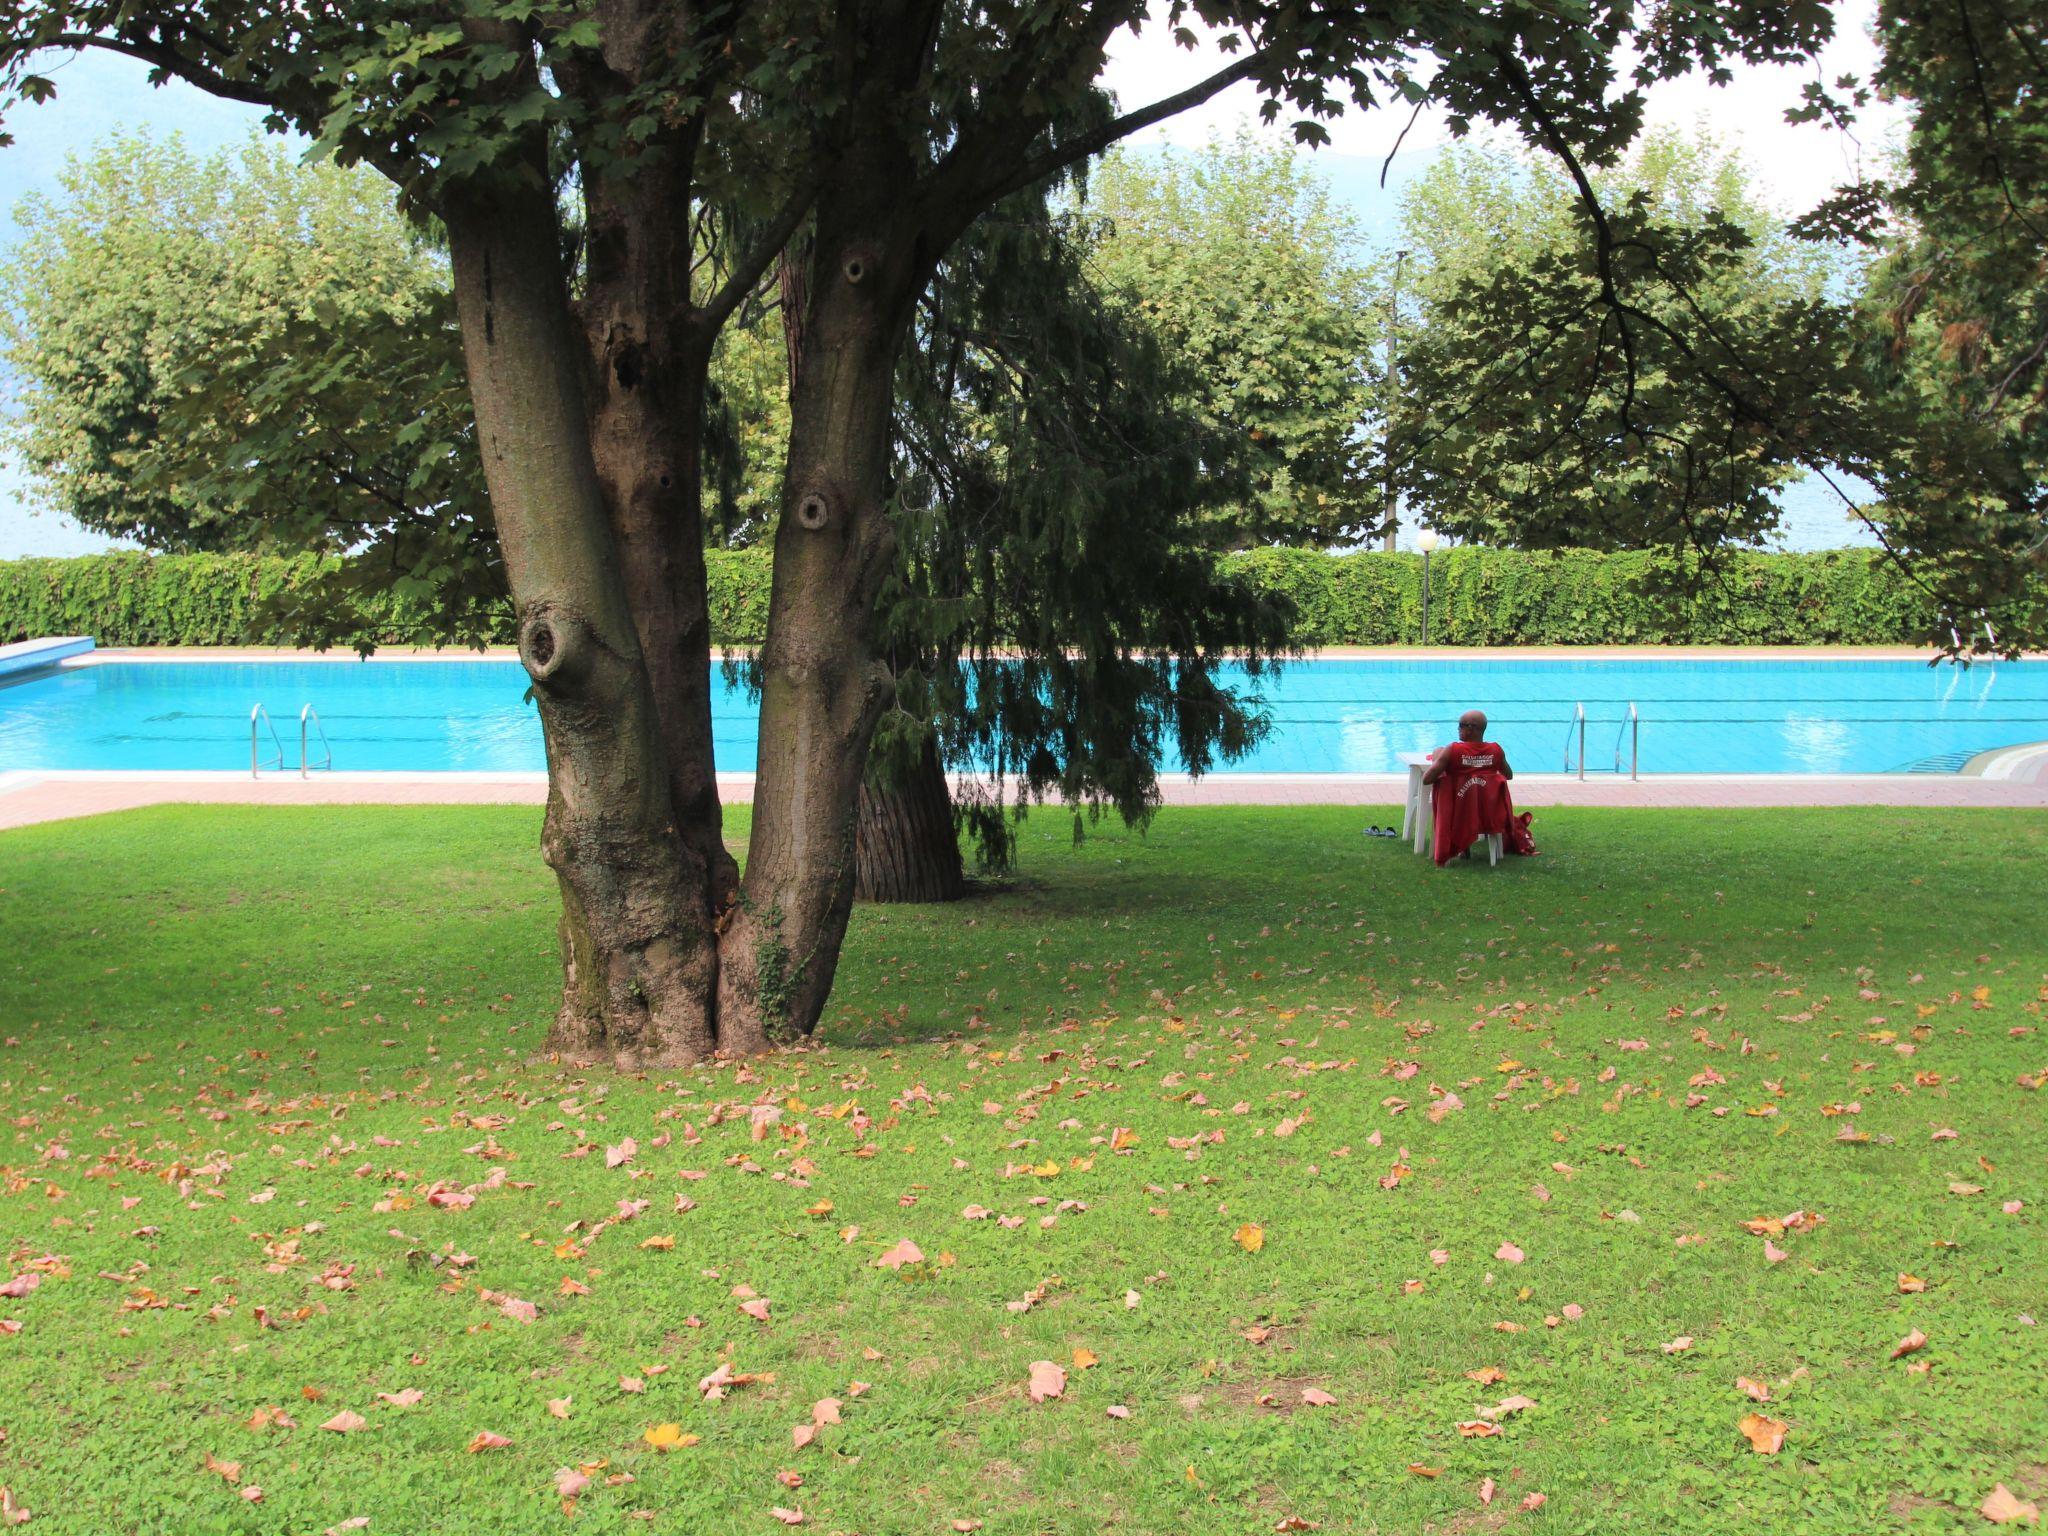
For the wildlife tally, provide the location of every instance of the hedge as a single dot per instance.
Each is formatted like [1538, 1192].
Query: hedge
[1477, 597]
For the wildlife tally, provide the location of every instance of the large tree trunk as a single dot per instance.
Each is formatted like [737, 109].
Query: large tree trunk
[822, 687]
[639, 950]
[907, 848]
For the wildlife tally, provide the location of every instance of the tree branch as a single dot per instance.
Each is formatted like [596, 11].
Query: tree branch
[747, 270]
[1081, 146]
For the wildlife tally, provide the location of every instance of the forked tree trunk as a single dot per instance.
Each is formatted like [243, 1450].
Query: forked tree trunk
[639, 951]
[907, 848]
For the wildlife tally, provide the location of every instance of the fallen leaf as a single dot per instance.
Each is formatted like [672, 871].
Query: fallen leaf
[1911, 1343]
[904, 1252]
[346, 1421]
[788, 1516]
[1084, 1358]
[1048, 1379]
[1752, 1389]
[1316, 1397]
[486, 1441]
[1765, 1436]
[669, 1437]
[1251, 1237]
[407, 1398]
[2003, 1507]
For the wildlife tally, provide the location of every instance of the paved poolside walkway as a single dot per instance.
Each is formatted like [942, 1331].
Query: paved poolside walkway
[26, 798]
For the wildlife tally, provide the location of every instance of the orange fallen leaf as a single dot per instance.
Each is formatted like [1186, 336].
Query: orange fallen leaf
[1755, 1390]
[1421, 1471]
[669, 1437]
[1084, 1358]
[1251, 1237]
[559, 1407]
[1487, 1375]
[1765, 1436]
[1911, 1285]
[2003, 1507]
[1912, 1342]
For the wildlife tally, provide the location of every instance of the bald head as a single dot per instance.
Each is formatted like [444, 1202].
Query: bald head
[1472, 725]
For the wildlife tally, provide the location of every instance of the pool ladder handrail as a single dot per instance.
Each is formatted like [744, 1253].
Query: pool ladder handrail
[1578, 725]
[255, 753]
[1632, 727]
[311, 716]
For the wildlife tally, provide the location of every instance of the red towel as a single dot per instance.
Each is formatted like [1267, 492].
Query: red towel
[1472, 800]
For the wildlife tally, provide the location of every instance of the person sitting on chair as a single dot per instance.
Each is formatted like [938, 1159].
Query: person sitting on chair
[1471, 799]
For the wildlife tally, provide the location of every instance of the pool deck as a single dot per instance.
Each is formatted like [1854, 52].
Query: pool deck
[29, 797]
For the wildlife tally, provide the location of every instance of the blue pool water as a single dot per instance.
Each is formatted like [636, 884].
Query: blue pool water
[1328, 716]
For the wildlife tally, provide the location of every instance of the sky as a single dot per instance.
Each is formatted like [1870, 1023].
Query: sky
[99, 95]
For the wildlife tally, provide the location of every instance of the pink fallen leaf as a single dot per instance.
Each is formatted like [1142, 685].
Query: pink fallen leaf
[1117, 1411]
[346, 1421]
[624, 1151]
[1572, 1311]
[21, 1285]
[1773, 1253]
[559, 1407]
[1534, 1501]
[1509, 1253]
[1677, 1346]
[788, 1516]
[825, 1411]
[407, 1398]
[975, 1213]
[1316, 1397]
[1048, 1379]
[802, 1435]
[904, 1252]
[1910, 1344]
[1486, 1486]
[756, 1308]
[569, 1482]
[252, 1493]
[485, 1440]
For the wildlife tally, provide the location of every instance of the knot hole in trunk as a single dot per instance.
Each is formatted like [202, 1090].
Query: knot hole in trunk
[553, 648]
[814, 511]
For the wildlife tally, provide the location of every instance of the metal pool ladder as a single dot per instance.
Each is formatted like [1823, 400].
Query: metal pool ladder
[1631, 727]
[309, 725]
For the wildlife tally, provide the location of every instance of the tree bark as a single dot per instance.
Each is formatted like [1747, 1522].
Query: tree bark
[639, 949]
[907, 848]
[822, 687]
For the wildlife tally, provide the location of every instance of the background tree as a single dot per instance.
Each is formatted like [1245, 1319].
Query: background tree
[1536, 415]
[242, 352]
[1953, 326]
[1243, 264]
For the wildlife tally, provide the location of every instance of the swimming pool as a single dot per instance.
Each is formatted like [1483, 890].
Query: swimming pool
[1329, 716]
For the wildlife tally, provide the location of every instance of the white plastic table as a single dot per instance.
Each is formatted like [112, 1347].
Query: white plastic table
[1416, 821]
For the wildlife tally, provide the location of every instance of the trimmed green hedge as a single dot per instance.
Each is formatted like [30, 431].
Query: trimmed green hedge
[1477, 597]
[1583, 597]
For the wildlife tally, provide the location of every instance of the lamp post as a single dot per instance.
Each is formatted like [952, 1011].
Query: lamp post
[1425, 541]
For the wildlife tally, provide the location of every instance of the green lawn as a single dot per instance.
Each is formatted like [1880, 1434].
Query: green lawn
[243, 1048]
